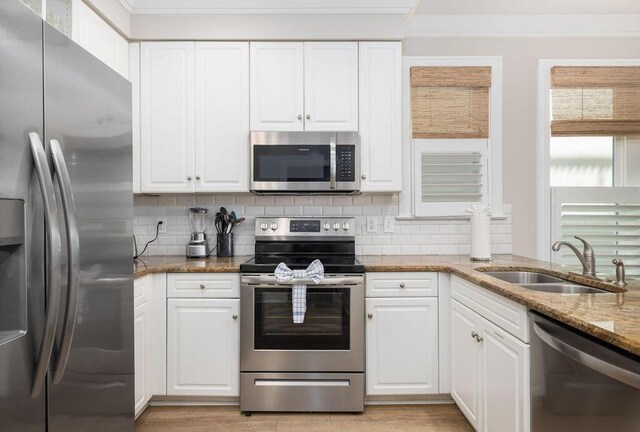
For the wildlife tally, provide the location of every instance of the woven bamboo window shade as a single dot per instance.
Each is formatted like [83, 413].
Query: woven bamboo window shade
[450, 102]
[595, 101]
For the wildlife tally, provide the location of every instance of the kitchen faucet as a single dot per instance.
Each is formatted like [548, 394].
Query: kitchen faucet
[587, 257]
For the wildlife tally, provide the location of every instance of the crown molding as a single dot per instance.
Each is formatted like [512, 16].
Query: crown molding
[523, 26]
[272, 7]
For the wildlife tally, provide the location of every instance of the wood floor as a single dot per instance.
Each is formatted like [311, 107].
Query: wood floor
[405, 418]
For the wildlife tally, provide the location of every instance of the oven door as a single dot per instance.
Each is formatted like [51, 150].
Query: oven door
[331, 338]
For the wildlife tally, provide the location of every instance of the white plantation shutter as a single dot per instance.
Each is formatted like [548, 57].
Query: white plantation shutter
[608, 218]
[450, 175]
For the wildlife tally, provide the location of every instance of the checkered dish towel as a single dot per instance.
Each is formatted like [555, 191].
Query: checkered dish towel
[315, 272]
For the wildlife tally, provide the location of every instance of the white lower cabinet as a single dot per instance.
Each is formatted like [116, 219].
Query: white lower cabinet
[402, 346]
[465, 361]
[203, 346]
[143, 367]
[489, 366]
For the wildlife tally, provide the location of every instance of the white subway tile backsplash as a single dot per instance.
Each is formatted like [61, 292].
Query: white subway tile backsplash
[410, 237]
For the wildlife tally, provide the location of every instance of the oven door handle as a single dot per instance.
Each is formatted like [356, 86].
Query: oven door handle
[271, 280]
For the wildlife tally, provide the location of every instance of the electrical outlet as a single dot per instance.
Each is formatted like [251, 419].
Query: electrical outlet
[162, 229]
[389, 224]
[372, 224]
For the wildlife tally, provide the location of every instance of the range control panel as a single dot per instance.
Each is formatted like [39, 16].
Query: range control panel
[324, 227]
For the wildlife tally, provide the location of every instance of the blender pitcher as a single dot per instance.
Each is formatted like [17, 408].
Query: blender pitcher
[198, 246]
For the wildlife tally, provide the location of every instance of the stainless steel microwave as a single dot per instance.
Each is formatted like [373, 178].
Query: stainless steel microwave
[305, 162]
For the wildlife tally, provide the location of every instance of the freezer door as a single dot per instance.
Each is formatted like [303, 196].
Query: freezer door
[88, 111]
[22, 286]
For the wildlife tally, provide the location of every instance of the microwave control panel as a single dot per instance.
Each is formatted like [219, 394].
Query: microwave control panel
[346, 163]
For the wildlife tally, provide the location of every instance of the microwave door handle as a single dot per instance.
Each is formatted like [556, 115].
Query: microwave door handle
[73, 253]
[590, 360]
[333, 168]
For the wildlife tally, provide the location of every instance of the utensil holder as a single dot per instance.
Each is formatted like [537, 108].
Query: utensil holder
[225, 245]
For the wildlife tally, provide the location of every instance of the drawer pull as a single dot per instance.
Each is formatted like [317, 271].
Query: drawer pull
[234, 316]
[370, 316]
[402, 285]
[202, 286]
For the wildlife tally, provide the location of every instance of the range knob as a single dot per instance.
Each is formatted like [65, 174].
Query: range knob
[346, 226]
[273, 226]
[336, 226]
[326, 226]
[264, 226]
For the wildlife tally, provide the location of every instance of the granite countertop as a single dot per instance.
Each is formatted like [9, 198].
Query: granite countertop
[613, 317]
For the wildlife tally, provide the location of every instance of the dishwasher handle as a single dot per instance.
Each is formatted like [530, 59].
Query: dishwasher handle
[585, 355]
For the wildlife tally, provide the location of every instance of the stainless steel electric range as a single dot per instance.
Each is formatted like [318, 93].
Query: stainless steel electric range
[317, 365]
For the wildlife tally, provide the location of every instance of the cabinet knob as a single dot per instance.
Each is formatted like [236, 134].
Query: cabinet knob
[402, 285]
[370, 316]
[197, 177]
[479, 339]
[363, 176]
[202, 286]
[189, 178]
[234, 316]
[308, 116]
[474, 334]
[299, 116]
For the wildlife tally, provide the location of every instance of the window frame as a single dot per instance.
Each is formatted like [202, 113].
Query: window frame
[409, 146]
[543, 195]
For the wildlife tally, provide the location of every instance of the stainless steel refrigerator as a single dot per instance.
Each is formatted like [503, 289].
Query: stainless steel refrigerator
[66, 283]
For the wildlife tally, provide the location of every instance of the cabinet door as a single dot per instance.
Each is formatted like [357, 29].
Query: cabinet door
[203, 344]
[466, 355]
[222, 117]
[402, 346]
[277, 86]
[331, 86]
[381, 116]
[505, 377]
[141, 343]
[167, 116]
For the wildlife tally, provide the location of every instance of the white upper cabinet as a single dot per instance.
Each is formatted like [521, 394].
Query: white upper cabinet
[277, 86]
[167, 116]
[331, 86]
[101, 40]
[222, 117]
[381, 116]
[297, 86]
[194, 134]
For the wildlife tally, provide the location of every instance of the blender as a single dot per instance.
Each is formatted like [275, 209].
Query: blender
[198, 246]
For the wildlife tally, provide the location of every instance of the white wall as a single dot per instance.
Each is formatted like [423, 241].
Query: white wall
[520, 68]
[410, 237]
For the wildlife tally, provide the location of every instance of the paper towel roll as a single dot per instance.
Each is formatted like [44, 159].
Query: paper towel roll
[481, 238]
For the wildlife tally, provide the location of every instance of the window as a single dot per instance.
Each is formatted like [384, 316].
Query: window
[453, 128]
[595, 161]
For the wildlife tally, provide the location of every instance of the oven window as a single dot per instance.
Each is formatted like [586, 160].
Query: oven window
[325, 327]
[291, 163]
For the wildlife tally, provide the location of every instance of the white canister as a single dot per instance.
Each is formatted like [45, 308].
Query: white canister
[481, 238]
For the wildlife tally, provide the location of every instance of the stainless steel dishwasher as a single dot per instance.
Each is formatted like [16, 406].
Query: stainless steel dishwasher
[580, 384]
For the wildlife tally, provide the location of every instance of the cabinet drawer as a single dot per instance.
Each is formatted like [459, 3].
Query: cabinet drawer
[402, 284]
[506, 314]
[203, 285]
[141, 288]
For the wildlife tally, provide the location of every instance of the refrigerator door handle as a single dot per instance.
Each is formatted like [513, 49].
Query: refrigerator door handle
[73, 257]
[54, 258]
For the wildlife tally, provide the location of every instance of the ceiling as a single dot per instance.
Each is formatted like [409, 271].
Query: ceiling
[223, 7]
[528, 7]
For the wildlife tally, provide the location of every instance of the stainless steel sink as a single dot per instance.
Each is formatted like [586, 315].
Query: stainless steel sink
[563, 288]
[518, 278]
[544, 283]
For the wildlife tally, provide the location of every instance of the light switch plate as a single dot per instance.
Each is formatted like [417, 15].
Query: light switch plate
[372, 224]
[389, 224]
